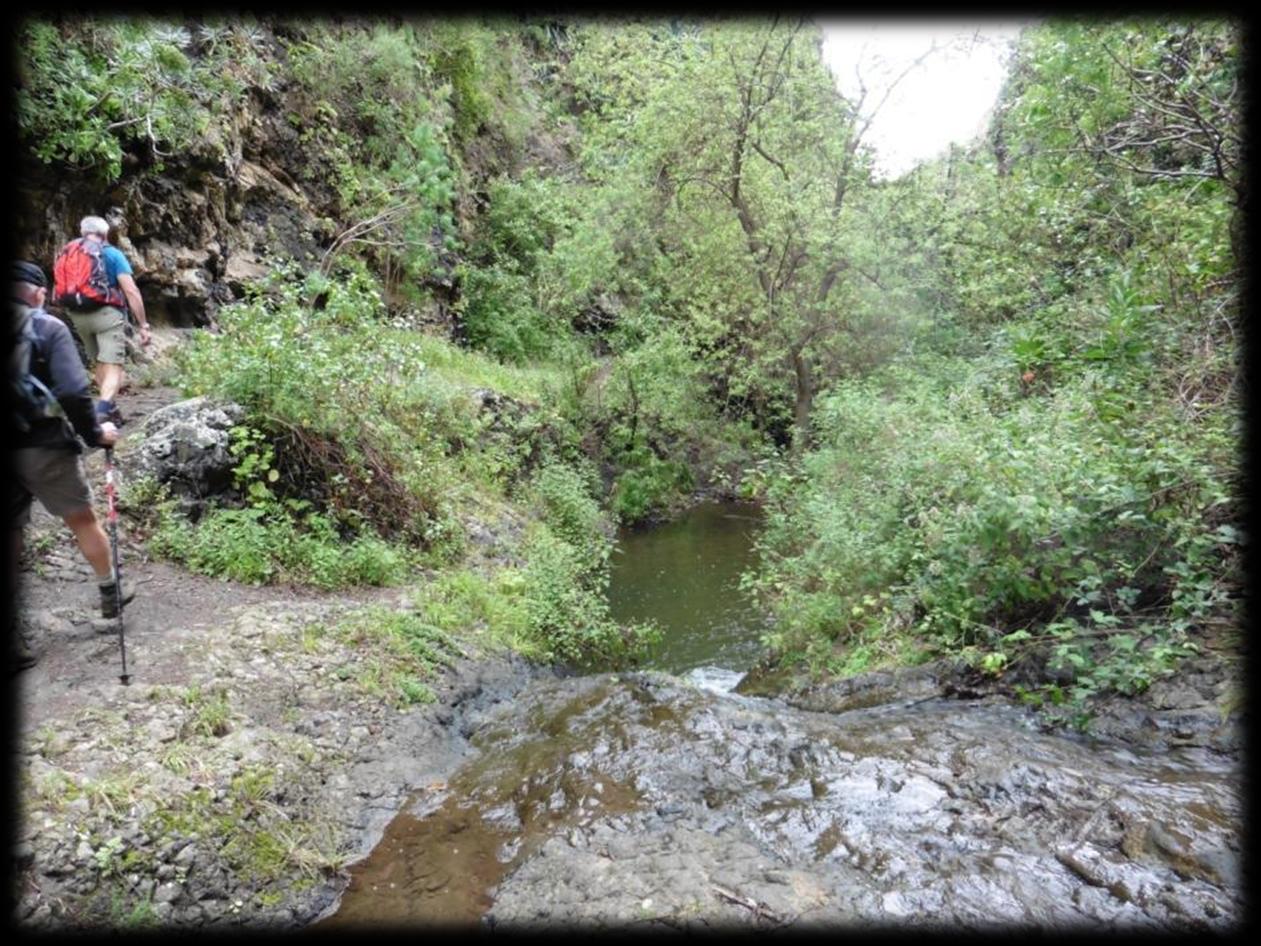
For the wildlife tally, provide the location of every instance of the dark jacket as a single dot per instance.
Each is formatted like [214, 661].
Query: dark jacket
[55, 361]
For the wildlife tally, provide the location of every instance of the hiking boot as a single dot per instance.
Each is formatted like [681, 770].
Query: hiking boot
[109, 601]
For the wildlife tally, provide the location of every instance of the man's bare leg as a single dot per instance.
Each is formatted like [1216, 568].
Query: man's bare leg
[92, 540]
[109, 378]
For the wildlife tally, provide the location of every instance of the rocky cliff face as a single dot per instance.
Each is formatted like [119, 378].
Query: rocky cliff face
[202, 225]
[255, 187]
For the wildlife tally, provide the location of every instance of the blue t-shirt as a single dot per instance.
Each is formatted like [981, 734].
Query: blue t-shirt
[115, 264]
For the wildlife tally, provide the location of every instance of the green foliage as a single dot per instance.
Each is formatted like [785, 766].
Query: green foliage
[648, 484]
[570, 511]
[1057, 491]
[457, 58]
[1008, 380]
[125, 914]
[208, 715]
[542, 260]
[661, 425]
[361, 437]
[499, 315]
[566, 578]
[92, 90]
[371, 114]
[398, 652]
[273, 539]
[358, 424]
[934, 514]
[468, 602]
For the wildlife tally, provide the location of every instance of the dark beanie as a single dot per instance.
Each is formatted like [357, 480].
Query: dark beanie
[29, 273]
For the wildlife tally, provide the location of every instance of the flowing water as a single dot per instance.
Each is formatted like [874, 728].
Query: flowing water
[667, 800]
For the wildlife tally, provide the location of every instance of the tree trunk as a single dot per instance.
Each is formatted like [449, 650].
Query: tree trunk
[804, 402]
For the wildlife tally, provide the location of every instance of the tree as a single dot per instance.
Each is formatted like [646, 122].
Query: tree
[761, 157]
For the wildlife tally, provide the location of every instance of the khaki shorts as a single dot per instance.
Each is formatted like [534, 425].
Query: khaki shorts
[104, 334]
[52, 475]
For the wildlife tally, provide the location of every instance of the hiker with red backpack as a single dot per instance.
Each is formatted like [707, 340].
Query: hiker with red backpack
[93, 282]
[52, 411]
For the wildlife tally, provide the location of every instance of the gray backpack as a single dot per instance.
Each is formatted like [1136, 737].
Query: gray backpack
[32, 400]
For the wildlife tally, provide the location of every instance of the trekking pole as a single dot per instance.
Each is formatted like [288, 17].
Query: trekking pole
[113, 548]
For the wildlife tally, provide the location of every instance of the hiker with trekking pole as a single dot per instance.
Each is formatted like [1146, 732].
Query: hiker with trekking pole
[53, 419]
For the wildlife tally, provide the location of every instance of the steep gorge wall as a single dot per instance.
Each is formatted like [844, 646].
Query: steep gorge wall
[258, 185]
[199, 228]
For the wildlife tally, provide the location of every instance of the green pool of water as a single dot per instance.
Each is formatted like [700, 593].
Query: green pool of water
[685, 577]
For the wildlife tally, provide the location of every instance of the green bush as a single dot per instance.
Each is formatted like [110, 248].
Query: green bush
[93, 89]
[930, 514]
[648, 485]
[499, 315]
[265, 545]
[359, 426]
[571, 512]
[566, 578]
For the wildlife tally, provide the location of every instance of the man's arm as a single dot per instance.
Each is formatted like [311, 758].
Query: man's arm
[70, 381]
[128, 285]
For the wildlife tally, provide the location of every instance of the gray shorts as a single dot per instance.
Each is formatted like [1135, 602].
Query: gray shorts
[104, 334]
[53, 476]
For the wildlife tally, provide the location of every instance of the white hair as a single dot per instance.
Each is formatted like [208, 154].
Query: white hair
[93, 224]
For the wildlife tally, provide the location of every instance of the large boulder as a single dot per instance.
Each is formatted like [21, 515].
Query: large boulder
[186, 448]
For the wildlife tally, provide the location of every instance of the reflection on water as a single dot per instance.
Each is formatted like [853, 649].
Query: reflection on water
[685, 577]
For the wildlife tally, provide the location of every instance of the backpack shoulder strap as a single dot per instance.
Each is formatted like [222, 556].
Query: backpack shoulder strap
[26, 348]
[38, 396]
[24, 317]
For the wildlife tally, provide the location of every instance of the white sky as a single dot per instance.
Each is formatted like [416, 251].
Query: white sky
[947, 98]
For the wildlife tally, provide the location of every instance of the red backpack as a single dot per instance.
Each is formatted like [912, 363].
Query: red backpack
[80, 280]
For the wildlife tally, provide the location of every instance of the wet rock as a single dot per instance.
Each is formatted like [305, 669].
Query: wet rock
[190, 914]
[167, 892]
[186, 856]
[40, 915]
[23, 855]
[876, 688]
[208, 885]
[172, 848]
[746, 813]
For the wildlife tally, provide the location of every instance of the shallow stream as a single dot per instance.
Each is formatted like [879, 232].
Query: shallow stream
[667, 800]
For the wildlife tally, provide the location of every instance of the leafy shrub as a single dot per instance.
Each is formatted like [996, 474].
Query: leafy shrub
[571, 512]
[566, 578]
[927, 513]
[357, 423]
[264, 545]
[499, 316]
[92, 89]
[647, 485]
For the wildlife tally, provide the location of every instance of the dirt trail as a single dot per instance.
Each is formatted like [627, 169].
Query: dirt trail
[251, 758]
[79, 655]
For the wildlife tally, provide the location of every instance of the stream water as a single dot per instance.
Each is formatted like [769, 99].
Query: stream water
[664, 799]
[684, 576]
